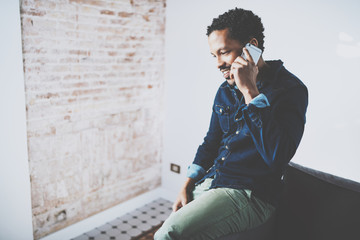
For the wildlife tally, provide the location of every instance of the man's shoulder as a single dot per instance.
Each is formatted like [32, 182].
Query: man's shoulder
[282, 82]
[282, 77]
[289, 80]
[223, 94]
[224, 85]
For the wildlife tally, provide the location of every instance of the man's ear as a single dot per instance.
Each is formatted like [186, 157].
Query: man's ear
[254, 42]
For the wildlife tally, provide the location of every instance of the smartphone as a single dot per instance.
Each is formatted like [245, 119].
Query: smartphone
[254, 51]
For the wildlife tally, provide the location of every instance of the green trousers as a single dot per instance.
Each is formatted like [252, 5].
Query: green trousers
[214, 213]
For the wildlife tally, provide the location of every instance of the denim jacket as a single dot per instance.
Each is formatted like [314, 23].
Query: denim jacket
[248, 146]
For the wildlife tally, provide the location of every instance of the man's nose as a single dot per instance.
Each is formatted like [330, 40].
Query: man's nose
[220, 62]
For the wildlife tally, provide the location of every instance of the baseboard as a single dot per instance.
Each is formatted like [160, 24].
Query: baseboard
[99, 219]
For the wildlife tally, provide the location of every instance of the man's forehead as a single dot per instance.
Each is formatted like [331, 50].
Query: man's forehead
[220, 39]
[221, 33]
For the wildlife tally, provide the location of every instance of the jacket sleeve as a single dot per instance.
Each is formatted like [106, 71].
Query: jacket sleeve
[277, 129]
[207, 151]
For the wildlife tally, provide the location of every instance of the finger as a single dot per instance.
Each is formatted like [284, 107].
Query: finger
[231, 74]
[236, 65]
[176, 206]
[240, 60]
[184, 202]
[234, 71]
[248, 56]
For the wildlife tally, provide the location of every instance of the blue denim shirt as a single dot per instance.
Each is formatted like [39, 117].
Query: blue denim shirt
[248, 146]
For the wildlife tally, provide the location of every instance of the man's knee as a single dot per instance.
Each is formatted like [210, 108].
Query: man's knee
[167, 232]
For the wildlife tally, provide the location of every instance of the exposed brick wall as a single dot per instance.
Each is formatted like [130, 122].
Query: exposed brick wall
[94, 91]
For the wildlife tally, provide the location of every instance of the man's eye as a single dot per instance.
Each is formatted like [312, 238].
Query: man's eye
[224, 53]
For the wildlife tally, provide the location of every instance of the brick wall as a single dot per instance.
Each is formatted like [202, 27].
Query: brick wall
[94, 91]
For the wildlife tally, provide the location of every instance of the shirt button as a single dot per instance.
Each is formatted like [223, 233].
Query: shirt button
[227, 147]
[237, 132]
[236, 119]
[223, 158]
[220, 110]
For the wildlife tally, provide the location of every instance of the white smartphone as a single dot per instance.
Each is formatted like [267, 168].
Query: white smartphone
[254, 51]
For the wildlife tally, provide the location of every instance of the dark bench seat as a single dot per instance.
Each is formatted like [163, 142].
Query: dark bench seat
[314, 206]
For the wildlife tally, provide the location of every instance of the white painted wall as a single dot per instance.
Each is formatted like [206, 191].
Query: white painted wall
[319, 41]
[15, 207]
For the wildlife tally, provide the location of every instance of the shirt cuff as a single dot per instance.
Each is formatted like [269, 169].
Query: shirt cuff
[195, 171]
[260, 101]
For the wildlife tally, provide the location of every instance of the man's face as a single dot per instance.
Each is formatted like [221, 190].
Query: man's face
[225, 50]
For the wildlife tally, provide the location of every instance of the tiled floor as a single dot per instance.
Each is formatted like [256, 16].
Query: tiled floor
[132, 224]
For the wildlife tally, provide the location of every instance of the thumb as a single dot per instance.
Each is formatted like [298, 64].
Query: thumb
[184, 201]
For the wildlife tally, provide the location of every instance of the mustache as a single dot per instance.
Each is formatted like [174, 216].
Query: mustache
[221, 68]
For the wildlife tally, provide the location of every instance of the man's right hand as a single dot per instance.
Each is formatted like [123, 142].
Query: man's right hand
[184, 194]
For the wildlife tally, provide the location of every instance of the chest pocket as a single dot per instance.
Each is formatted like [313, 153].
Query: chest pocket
[245, 130]
[224, 117]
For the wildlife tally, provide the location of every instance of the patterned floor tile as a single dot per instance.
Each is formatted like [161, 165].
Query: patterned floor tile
[134, 232]
[81, 237]
[124, 227]
[115, 222]
[100, 237]
[132, 224]
[144, 227]
[113, 232]
[123, 237]
[93, 233]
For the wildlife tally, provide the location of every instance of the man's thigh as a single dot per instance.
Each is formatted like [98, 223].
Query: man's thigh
[201, 188]
[215, 213]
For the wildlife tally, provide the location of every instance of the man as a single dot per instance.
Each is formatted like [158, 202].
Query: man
[256, 126]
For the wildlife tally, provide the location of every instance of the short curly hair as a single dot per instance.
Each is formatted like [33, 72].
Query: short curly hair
[243, 25]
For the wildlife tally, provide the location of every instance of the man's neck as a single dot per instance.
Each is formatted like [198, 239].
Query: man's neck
[263, 68]
[261, 63]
